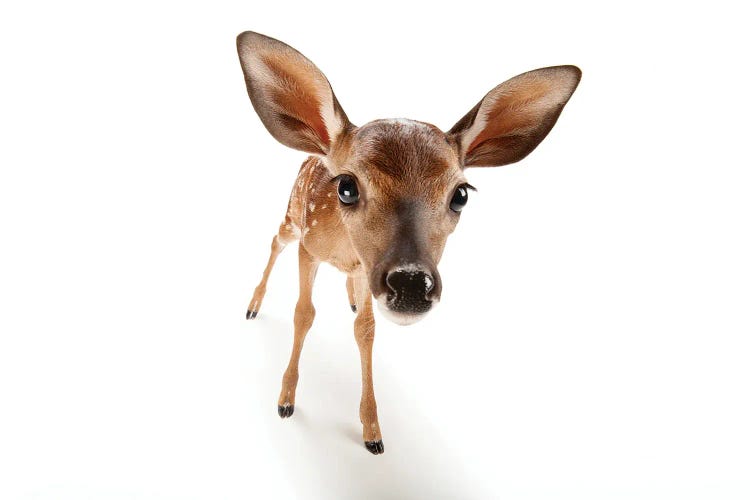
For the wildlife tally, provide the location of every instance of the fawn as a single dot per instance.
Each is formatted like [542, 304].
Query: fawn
[379, 201]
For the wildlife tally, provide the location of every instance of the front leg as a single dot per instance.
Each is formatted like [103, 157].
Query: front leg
[304, 314]
[364, 333]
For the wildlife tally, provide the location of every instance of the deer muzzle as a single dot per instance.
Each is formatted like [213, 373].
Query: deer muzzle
[409, 293]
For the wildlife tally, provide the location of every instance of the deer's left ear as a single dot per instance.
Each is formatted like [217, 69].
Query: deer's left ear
[514, 117]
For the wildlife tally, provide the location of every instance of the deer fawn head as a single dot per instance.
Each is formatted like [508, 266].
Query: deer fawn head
[401, 183]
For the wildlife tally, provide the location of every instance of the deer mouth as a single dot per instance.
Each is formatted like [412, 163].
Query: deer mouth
[403, 313]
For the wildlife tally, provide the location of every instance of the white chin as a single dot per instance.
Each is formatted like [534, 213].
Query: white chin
[397, 317]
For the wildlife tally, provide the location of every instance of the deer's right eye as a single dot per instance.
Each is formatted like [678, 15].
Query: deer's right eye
[460, 197]
[347, 190]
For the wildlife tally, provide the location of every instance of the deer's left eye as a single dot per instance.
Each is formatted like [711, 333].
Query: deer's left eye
[460, 197]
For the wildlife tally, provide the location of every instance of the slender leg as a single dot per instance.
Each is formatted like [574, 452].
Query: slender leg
[304, 314]
[364, 333]
[350, 293]
[277, 245]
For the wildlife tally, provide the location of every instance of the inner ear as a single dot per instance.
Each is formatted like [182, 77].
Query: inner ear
[290, 94]
[514, 117]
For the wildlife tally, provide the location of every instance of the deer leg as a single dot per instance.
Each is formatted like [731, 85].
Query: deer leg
[304, 314]
[284, 236]
[364, 333]
[350, 293]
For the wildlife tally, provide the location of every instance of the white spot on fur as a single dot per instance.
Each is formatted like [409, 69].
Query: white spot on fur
[325, 205]
[278, 241]
[312, 207]
[314, 222]
[405, 122]
[409, 268]
[329, 195]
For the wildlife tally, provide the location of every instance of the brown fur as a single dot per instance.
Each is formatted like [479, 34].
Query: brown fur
[406, 173]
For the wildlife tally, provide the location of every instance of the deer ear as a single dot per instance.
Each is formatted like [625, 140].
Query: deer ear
[515, 116]
[290, 94]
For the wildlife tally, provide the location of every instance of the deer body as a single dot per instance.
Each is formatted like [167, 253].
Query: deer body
[379, 201]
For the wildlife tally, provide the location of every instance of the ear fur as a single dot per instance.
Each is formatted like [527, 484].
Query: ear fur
[514, 117]
[290, 94]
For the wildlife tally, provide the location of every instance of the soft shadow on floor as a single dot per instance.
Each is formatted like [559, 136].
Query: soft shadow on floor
[321, 444]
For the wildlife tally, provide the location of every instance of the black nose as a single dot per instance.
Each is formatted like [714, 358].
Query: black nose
[409, 290]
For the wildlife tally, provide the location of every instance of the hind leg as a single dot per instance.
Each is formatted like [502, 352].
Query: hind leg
[285, 235]
[350, 293]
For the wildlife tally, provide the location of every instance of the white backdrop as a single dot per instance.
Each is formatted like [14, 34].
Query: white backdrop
[593, 337]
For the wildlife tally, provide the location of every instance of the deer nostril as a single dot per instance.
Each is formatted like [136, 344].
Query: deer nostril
[409, 283]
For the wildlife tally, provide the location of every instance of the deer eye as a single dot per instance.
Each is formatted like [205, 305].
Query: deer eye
[460, 197]
[347, 190]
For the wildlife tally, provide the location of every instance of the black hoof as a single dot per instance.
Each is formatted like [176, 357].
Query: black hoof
[251, 314]
[285, 411]
[375, 447]
[354, 308]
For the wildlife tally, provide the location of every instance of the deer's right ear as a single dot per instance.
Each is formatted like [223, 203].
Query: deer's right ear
[290, 94]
